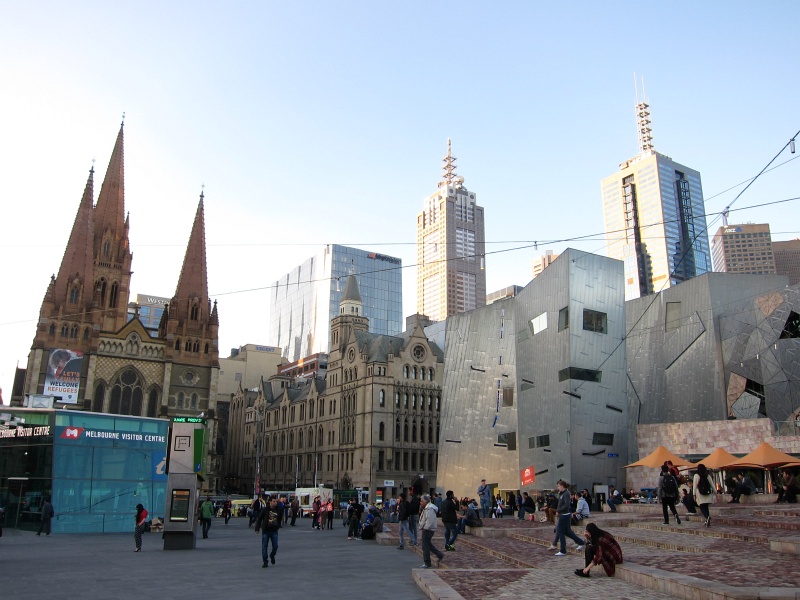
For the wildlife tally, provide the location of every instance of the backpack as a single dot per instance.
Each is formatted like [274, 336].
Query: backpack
[704, 486]
[669, 487]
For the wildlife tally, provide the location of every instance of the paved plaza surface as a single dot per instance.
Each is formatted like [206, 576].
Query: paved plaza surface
[748, 552]
[227, 565]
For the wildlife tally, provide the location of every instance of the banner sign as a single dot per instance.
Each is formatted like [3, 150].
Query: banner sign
[528, 476]
[84, 434]
[63, 377]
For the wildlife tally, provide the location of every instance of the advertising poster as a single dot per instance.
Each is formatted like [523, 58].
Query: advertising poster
[63, 375]
[528, 476]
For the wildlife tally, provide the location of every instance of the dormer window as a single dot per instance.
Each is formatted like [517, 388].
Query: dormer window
[106, 248]
[74, 294]
[195, 312]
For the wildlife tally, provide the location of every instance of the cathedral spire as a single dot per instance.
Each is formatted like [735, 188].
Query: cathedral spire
[110, 209]
[193, 282]
[77, 263]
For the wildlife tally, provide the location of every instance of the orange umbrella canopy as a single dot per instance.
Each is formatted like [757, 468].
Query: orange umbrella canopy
[658, 457]
[718, 459]
[764, 457]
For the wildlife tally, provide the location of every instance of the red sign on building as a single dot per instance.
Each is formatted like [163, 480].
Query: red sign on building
[527, 475]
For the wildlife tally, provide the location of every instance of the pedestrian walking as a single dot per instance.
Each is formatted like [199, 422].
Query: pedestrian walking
[427, 527]
[449, 512]
[269, 522]
[563, 525]
[294, 510]
[140, 526]
[413, 514]
[47, 517]
[668, 493]
[206, 513]
[226, 509]
[704, 491]
[402, 518]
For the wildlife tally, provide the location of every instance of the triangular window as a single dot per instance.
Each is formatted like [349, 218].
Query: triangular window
[792, 327]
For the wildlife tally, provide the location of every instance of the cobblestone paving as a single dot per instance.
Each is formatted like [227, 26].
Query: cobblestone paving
[689, 549]
[543, 584]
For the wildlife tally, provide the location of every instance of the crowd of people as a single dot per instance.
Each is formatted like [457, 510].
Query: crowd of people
[417, 515]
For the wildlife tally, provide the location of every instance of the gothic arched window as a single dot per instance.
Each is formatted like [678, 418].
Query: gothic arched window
[195, 312]
[381, 431]
[65, 330]
[52, 328]
[112, 300]
[178, 345]
[99, 397]
[152, 404]
[73, 332]
[86, 333]
[74, 292]
[126, 394]
[181, 397]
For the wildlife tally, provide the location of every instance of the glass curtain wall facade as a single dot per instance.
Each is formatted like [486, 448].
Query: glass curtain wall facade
[655, 223]
[304, 301]
[95, 467]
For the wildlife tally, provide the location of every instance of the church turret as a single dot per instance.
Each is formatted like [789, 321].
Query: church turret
[192, 324]
[350, 317]
[68, 299]
[112, 256]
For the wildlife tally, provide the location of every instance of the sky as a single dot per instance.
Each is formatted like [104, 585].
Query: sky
[310, 123]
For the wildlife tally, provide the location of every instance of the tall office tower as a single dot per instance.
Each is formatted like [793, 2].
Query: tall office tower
[787, 259]
[306, 299]
[541, 263]
[743, 249]
[451, 275]
[655, 217]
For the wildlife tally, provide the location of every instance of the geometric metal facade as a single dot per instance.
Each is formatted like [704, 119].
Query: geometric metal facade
[539, 380]
[715, 347]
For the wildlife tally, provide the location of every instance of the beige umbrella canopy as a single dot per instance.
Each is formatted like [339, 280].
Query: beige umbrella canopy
[718, 459]
[658, 457]
[763, 457]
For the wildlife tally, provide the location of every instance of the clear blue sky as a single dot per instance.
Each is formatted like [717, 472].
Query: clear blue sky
[326, 122]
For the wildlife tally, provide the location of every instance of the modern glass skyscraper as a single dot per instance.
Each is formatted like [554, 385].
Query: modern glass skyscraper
[655, 218]
[304, 301]
[451, 275]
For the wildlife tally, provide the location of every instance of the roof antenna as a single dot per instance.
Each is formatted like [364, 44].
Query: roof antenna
[644, 130]
[449, 165]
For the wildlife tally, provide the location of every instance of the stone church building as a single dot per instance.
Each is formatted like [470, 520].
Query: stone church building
[89, 354]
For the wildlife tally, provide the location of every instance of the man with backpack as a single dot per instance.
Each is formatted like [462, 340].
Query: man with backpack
[668, 493]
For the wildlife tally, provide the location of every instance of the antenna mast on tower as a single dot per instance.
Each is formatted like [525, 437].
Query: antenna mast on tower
[645, 131]
[449, 165]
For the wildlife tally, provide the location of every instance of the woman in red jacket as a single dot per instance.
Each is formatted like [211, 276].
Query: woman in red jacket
[141, 519]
